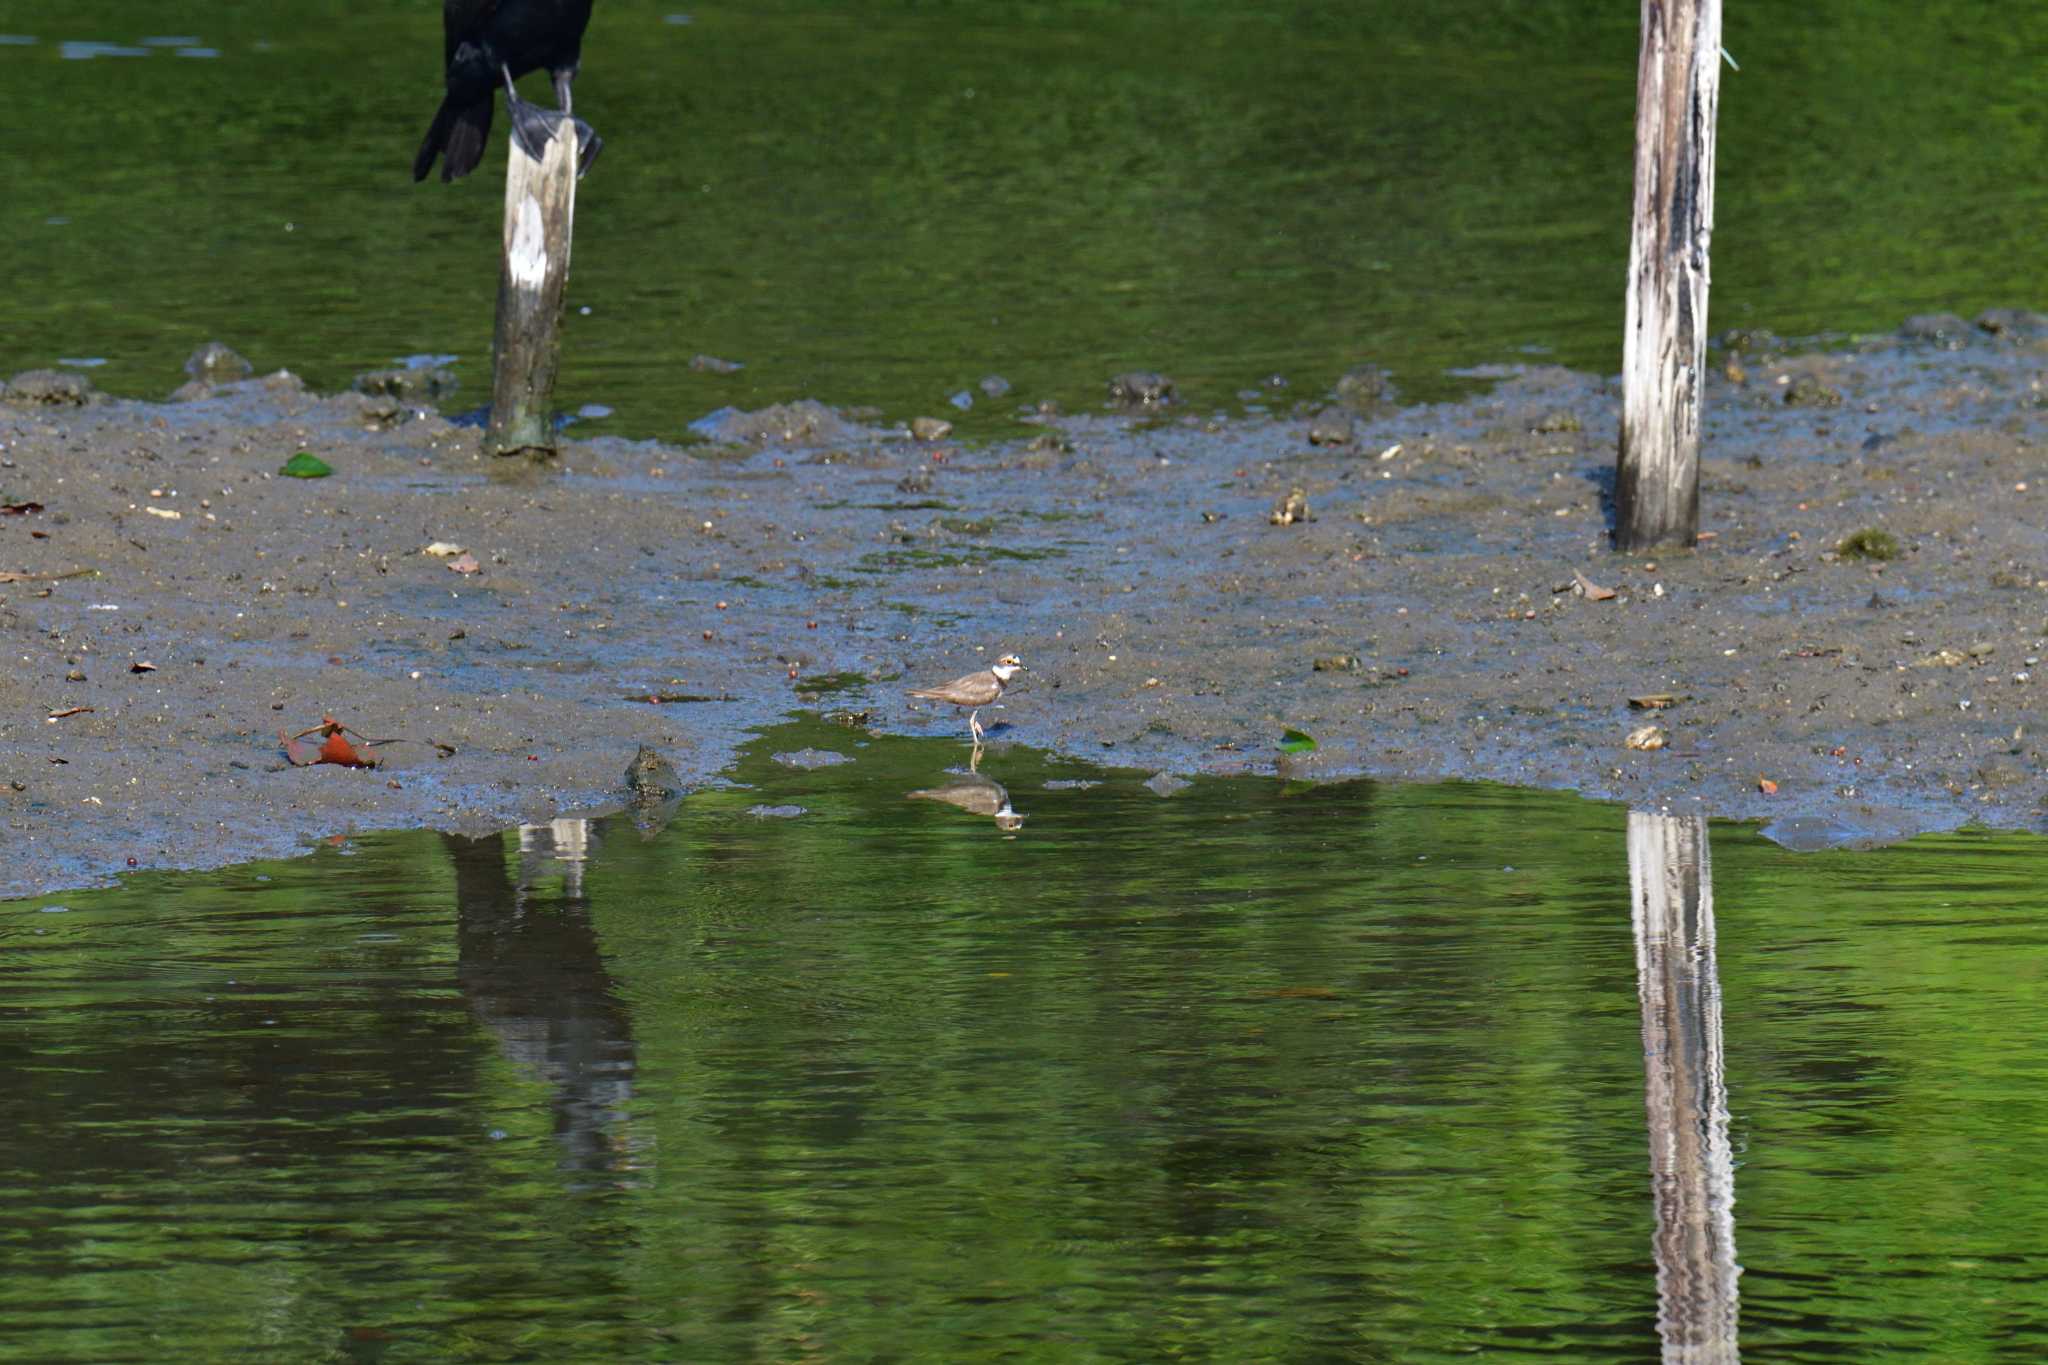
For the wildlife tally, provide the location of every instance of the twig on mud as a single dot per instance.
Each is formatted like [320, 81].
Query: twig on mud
[11, 576]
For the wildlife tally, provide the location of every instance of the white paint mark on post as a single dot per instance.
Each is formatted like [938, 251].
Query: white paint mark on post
[527, 257]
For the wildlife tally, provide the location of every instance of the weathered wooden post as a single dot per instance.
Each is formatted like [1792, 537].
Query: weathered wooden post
[1678, 98]
[540, 215]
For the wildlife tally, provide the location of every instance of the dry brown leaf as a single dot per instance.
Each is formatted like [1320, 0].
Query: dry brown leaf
[69, 711]
[1589, 589]
[1653, 701]
[464, 563]
[1766, 786]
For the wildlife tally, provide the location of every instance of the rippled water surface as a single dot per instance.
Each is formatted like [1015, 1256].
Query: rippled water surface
[821, 1071]
[883, 203]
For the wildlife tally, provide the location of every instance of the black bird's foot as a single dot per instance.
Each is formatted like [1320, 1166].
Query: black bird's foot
[535, 126]
[588, 145]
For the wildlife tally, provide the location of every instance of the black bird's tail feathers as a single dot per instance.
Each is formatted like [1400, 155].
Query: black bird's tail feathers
[457, 135]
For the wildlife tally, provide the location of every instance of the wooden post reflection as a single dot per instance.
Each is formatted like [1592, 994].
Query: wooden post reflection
[529, 964]
[1692, 1172]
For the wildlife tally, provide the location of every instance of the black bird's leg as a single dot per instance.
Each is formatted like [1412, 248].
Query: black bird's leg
[533, 126]
[588, 143]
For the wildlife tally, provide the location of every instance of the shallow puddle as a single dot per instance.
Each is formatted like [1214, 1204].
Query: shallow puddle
[893, 1058]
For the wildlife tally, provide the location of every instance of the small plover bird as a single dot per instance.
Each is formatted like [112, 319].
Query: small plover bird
[976, 690]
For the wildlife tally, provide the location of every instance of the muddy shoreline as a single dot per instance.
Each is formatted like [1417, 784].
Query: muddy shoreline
[1421, 621]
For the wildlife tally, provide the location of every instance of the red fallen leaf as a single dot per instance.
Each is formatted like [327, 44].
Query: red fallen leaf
[338, 750]
[1766, 786]
[38, 535]
[464, 563]
[16, 509]
[334, 746]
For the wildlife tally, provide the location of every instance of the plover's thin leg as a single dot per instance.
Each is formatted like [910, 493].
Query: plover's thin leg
[974, 724]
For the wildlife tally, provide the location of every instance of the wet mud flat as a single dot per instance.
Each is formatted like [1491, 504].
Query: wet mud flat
[1411, 589]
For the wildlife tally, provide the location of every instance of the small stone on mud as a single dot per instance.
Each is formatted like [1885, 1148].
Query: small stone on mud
[217, 363]
[1337, 663]
[1868, 543]
[930, 428]
[49, 389]
[1141, 389]
[1332, 427]
[1998, 773]
[1806, 391]
[2020, 324]
[1646, 737]
[650, 777]
[1365, 388]
[711, 364]
[804, 422]
[962, 400]
[993, 386]
[378, 412]
[1751, 339]
[1166, 784]
[811, 758]
[406, 386]
[1556, 421]
[1290, 509]
[1944, 330]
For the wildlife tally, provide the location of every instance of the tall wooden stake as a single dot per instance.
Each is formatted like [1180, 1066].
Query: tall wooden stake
[1678, 98]
[540, 215]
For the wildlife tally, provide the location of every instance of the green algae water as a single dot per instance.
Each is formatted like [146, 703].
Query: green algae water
[1034, 1064]
[883, 203]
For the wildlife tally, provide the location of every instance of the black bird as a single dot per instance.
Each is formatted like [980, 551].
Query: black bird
[490, 42]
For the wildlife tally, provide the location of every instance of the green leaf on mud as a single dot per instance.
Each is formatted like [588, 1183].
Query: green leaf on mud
[1296, 742]
[306, 465]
